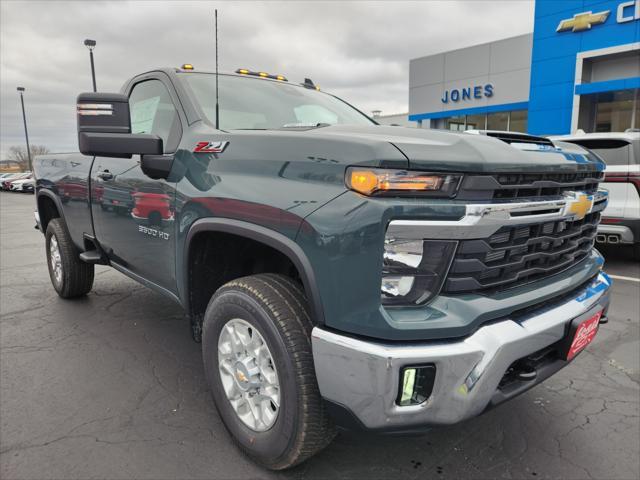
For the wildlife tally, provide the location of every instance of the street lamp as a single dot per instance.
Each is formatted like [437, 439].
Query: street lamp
[91, 44]
[26, 133]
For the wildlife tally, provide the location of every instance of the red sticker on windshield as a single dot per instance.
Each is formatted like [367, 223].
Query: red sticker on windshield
[210, 147]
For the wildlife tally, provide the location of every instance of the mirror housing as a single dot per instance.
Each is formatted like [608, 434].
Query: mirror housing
[104, 128]
[156, 166]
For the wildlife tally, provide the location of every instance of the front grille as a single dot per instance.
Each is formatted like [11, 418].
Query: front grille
[521, 254]
[527, 185]
[545, 184]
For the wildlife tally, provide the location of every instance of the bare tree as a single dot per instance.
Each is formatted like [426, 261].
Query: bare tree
[19, 154]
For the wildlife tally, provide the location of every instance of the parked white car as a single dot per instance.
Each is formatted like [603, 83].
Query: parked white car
[5, 182]
[23, 185]
[621, 151]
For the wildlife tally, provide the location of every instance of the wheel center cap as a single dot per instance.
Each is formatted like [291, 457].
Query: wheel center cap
[242, 376]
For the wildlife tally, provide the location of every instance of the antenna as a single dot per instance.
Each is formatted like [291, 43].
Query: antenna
[217, 103]
[91, 44]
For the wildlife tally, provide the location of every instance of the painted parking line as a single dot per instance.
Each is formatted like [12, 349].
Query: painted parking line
[629, 279]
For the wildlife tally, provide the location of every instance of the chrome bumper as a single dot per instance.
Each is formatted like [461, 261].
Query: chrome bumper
[363, 376]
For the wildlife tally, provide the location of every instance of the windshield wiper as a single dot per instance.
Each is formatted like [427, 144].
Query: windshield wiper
[305, 125]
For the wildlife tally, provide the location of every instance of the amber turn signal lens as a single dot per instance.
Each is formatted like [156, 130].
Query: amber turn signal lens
[364, 181]
[370, 181]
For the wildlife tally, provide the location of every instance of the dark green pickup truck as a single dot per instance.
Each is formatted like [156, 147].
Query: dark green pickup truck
[337, 272]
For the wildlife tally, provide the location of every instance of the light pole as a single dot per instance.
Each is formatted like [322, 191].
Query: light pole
[26, 133]
[90, 44]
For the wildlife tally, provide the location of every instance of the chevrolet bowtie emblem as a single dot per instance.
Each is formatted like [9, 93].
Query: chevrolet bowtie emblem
[579, 205]
[583, 21]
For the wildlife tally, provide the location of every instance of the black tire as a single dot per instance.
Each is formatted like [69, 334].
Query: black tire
[77, 277]
[277, 308]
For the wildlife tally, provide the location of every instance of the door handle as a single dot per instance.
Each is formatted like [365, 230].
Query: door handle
[105, 175]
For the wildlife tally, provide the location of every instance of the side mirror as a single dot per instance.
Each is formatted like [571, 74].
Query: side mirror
[156, 166]
[104, 128]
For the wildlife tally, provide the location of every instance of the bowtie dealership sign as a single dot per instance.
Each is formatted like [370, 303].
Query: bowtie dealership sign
[626, 12]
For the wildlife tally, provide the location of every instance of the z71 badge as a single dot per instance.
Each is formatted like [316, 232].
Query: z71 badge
[210, 147]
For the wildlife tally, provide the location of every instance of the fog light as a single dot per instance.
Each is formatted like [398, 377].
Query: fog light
[413, 270]
[397, 286]
[416, 384]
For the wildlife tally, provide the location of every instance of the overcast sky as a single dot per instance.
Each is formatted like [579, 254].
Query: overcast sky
[357, 50]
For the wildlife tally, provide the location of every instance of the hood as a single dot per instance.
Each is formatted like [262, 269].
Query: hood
[436, 150]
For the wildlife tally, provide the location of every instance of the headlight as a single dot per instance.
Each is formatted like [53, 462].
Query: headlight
[380, 181]
[413, 270]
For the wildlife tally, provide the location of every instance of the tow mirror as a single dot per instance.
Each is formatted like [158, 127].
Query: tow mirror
[156, 166]
[104, 128]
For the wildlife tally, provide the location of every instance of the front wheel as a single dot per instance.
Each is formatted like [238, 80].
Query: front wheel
[70, 276]
[256, 344]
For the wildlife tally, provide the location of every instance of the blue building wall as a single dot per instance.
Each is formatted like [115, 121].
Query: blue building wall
[554, 58]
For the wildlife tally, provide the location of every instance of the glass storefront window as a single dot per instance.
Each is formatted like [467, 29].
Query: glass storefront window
[614, 111]
[476, 122]
[454, 123]
[515, 121]
[498, 121]
[518, 121]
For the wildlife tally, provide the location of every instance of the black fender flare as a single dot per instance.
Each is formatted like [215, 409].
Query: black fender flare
[45, 192]
[264, 235]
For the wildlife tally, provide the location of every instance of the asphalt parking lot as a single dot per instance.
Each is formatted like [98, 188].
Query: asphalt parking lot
[112, 386]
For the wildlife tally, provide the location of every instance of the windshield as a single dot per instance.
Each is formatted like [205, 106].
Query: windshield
[255, 104]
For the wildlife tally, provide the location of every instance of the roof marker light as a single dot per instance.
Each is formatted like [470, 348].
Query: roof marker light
[244, 71]
[187, 66]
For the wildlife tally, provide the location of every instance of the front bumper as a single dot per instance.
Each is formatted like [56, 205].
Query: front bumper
[362, 377]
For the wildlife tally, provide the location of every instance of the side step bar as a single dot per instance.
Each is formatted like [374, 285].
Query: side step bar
[93, 253]
[93, 257]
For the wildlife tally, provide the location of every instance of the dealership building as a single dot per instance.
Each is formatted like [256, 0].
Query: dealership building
[579, 69]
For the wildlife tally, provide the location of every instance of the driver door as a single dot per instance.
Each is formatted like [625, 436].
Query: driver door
[134, 214]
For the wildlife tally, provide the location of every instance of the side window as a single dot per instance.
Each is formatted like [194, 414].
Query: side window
[152, 111]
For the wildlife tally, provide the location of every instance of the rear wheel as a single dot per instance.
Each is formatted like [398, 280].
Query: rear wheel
[257, 354]
[70, 276]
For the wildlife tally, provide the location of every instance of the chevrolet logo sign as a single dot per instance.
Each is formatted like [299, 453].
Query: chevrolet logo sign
[578, 205]
[583, 21]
